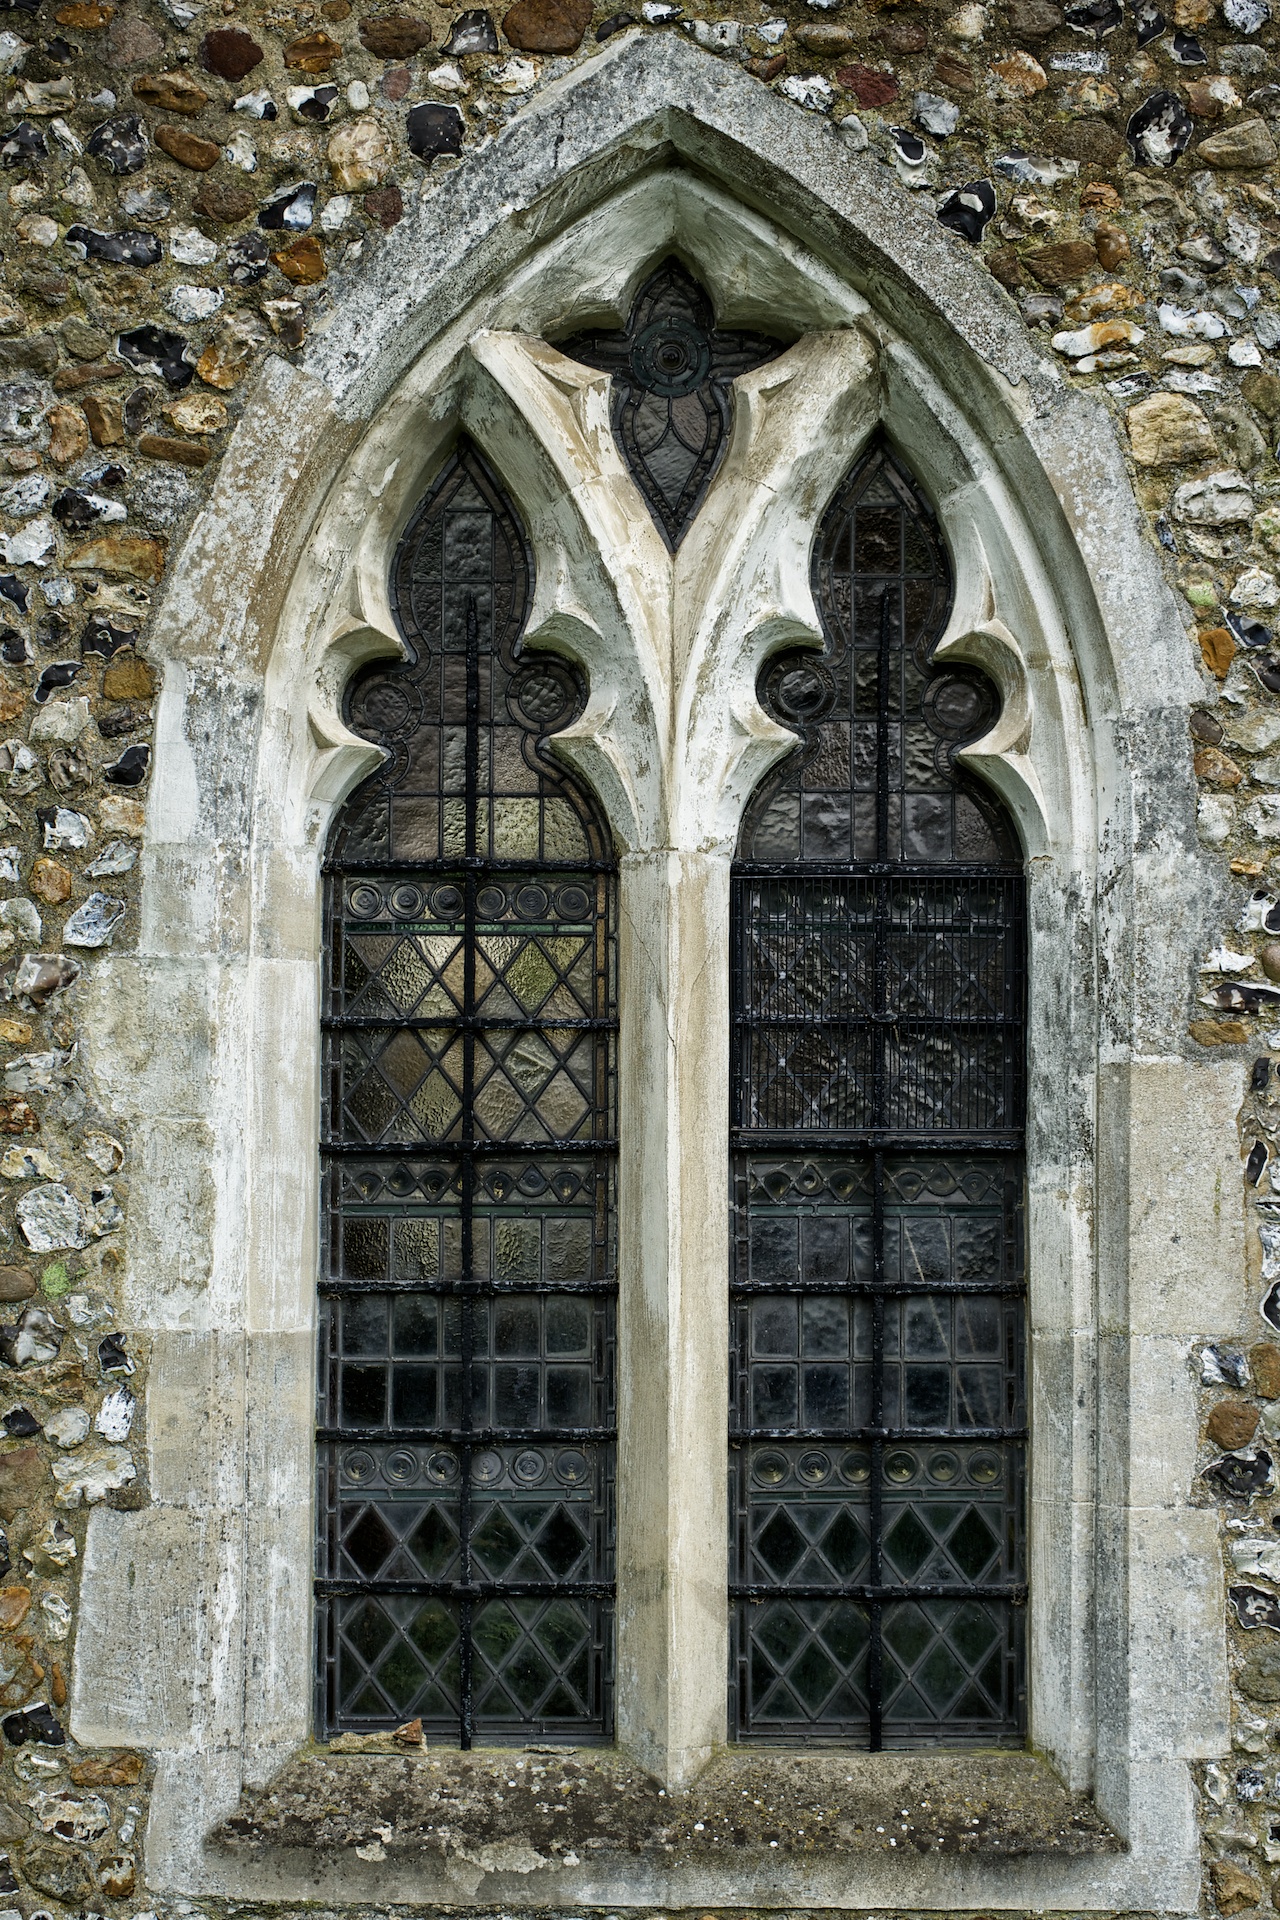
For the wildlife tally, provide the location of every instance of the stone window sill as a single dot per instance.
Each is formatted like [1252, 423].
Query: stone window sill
[521, 1810]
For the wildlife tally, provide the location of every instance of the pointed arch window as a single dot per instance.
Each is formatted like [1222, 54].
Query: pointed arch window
[466, 1422]
[877, 1397]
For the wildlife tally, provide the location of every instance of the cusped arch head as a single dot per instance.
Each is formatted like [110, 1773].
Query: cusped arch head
[652, 148]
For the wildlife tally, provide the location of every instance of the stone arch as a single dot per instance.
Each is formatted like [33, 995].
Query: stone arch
[280, 591]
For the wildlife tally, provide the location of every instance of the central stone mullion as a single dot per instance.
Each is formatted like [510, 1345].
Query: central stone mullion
[673, 1309]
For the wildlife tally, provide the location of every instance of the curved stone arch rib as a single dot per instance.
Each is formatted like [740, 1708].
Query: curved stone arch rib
[280, 592]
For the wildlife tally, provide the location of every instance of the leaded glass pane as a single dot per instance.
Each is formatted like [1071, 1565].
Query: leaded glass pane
[466, 1445]
[877, 1407]
[672, 369]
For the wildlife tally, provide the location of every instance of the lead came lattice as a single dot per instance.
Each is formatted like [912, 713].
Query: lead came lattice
[465, 1561]
[877, 1414]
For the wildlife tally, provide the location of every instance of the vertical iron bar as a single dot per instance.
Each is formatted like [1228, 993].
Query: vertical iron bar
[879, 1120]
[466, 1702]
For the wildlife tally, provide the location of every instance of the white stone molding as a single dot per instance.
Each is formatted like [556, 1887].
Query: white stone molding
[208, 1037]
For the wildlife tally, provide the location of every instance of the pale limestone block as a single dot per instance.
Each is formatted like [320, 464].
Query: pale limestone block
[157, 1654]
[1184, 1192]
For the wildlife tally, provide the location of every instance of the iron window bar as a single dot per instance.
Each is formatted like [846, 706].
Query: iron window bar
[465, 1558]
[877, 1034]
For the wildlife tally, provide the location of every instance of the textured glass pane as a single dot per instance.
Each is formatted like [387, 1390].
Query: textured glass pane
[468, 1329]
[877, 1410]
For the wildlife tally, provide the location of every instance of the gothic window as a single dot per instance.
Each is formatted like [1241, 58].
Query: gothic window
[877, 1396]
[466, 1419]
[672, 369]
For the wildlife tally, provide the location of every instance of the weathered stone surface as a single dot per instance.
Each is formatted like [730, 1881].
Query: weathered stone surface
[1061, 264]
[547, 26]
[106, 1770]
[229, 52]
[1247, 144]
[1169, 430]
[312, 52]
[22, 1472]
[360, 155]
[385, 205]
[1264, 1364]
[1218, 500]
[68, 435]
[104, 414]
[302, 261]
[225, 204]
[827, 38]
[170, 92]
[188, 148]
[1232, 1423]
[131, 40]
[16, 1283]
[1090, 141]
[1233, 1888]
[1020, 75]
[1220, 770]
[394, 36]
[133, 556]
[995, 1801]
[1112, 245]
[904, 33]
[870, 86]
[162, 446]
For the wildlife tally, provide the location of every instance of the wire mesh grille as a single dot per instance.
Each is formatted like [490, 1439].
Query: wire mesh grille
[466, 1383]
[878, 1425]
[671, 369]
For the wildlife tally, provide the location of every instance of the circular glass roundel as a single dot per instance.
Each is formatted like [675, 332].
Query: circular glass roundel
[442, 1467]
[543, 694]
[855, 1467]
[770, 1469]
[571, 1467]
[358, 1467]
[491, 903]
[486, 1468]
[814, 1467]
[531, 903]
[800, 690]
[671, 357]
[529, 1466]
[401, 1466]
[943, 1467]
[406, 903]
[446, 901]
[984, 1468]
[573, 903]
[364, 902]
[958, 706]
[900, 1467]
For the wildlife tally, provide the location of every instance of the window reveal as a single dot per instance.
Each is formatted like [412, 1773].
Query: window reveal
[877, 1314]
[672, 369]
[466, 1421]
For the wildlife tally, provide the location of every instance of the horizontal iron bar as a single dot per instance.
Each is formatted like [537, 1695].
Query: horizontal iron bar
[853, 872]
[458, 1022]
[472, 1590]
[853, 1023]
[899, 1289]
[990, 1590]
[801, 1141]
[477, 1149]
[435, 870]
[339, 1289]
[844, 1436]
[473, 1437]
